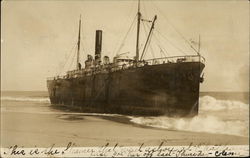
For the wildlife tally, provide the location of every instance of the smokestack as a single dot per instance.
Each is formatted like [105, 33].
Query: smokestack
[98, 44]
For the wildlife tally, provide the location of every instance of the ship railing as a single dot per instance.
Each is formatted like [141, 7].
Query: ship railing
[176, 59]
[158, 61]
[56, 77]
[117, 67]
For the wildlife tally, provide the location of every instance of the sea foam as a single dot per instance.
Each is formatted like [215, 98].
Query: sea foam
[29, 99]
[208, 103]
[209, 120]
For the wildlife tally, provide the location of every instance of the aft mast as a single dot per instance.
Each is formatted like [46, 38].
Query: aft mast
[138, 31]
[78, 46]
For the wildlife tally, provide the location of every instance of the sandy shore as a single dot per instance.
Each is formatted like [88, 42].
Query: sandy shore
[45, 129]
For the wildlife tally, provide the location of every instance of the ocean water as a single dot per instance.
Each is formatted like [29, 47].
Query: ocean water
[219, 112]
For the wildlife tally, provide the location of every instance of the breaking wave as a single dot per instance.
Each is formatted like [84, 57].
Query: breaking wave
[29, 99]
[209, 124]
[215, 116]
[208, 103]
[209, 120]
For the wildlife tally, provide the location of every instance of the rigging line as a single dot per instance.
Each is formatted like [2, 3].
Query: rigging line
[72, 55]
[148, 45]
[86, 49]
[182, 36]
[146, 40]
[83, 52]
[170, 42]
[126, 35]
[83, 43]
[162, 48]
[151, 48]
[143, 23]
[155, 35]
[84, 35]
[84, 46]
[152, 51]
[124, 22]
[72, 60]
[149, 41]
[122, 44]
[163, 51]
[146, 35]
[161, 54]
[68, 57]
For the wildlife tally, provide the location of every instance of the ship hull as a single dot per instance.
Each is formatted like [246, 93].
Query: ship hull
[170, 89]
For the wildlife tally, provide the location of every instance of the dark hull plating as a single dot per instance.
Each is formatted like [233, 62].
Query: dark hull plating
[167, 89]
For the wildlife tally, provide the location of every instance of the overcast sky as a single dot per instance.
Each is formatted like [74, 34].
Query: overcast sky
[37, 37]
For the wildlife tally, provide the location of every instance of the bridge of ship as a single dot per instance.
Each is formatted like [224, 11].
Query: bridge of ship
[127, 64]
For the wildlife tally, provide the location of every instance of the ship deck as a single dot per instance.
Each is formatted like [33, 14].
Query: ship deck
[106, 68]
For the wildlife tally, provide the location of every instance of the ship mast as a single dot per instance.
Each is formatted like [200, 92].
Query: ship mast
[78, 45]
[138, 31]
[150, 33]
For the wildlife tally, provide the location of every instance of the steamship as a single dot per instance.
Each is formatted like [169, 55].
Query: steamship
[159, 86]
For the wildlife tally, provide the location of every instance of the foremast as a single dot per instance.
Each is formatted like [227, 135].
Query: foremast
[78, 47]
[138, 32]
